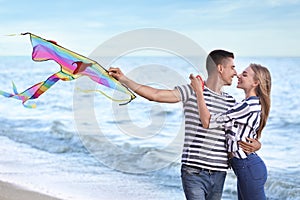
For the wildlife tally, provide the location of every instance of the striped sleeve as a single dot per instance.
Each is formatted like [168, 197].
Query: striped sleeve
[185, 92]
[239, 113]
[218, 120]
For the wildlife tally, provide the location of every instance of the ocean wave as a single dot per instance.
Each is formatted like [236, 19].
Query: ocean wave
[282, 184]
[284, 123]
[129, 158]
[58, 138]
[53, 137]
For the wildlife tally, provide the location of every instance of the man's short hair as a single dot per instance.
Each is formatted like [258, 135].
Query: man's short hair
[215, 58]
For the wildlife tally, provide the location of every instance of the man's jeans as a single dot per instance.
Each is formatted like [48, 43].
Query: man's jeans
[199, 184]
[251, 175]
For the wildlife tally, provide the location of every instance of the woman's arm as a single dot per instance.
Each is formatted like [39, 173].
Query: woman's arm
[203, 111]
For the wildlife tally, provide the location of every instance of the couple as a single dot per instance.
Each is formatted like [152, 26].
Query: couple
[218, 131]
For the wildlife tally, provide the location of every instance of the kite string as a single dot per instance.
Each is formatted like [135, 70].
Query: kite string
[104, 94]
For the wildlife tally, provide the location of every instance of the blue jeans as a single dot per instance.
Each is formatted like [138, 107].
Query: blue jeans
[251, 175]
[200, 184]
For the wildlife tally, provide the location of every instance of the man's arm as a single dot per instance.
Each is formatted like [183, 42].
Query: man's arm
[253, 146]
[150, 93]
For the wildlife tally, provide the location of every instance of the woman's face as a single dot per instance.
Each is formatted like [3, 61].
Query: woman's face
[246, 79]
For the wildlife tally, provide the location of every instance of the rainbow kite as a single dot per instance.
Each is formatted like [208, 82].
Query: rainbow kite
[72, 66]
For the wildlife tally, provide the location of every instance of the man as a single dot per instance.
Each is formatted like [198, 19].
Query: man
[204, 157]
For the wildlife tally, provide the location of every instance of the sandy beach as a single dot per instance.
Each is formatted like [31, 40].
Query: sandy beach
[10, 191]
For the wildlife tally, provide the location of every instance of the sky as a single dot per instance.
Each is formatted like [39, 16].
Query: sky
[248, 28]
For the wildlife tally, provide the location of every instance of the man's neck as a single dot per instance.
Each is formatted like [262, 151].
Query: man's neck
[214, 84]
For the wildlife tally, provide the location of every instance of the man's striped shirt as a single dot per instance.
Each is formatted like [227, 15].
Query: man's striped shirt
[204, 148]
[240, 121]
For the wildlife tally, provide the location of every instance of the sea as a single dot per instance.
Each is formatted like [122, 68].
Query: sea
[77, 145]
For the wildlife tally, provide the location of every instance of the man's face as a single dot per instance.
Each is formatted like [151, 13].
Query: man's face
[228, 71]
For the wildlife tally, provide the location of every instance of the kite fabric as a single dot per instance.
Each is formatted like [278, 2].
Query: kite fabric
[72, 66]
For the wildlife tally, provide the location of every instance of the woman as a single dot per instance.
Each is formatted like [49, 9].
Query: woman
[244, 120]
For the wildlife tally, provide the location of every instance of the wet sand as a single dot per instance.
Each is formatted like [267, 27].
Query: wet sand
[10, 191]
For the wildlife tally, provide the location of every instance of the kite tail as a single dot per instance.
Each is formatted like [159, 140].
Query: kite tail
[40, 88]
[18, 96]
[36, 90]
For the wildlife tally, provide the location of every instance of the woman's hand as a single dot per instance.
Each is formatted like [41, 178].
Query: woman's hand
[197, 84]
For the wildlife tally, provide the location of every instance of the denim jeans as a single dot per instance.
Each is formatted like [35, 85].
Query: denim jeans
[202, 185]
[251, 175]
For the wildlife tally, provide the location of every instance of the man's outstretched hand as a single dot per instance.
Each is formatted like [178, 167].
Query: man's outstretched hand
[116, 73]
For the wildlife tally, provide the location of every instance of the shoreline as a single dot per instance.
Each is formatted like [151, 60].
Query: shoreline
[9, 191]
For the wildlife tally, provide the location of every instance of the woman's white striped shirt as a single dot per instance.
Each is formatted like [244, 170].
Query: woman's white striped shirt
[240, 121]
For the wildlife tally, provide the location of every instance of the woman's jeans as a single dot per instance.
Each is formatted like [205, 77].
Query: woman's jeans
[251, 175]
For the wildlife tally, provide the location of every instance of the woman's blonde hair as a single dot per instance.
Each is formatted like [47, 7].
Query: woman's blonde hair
[263, 91]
